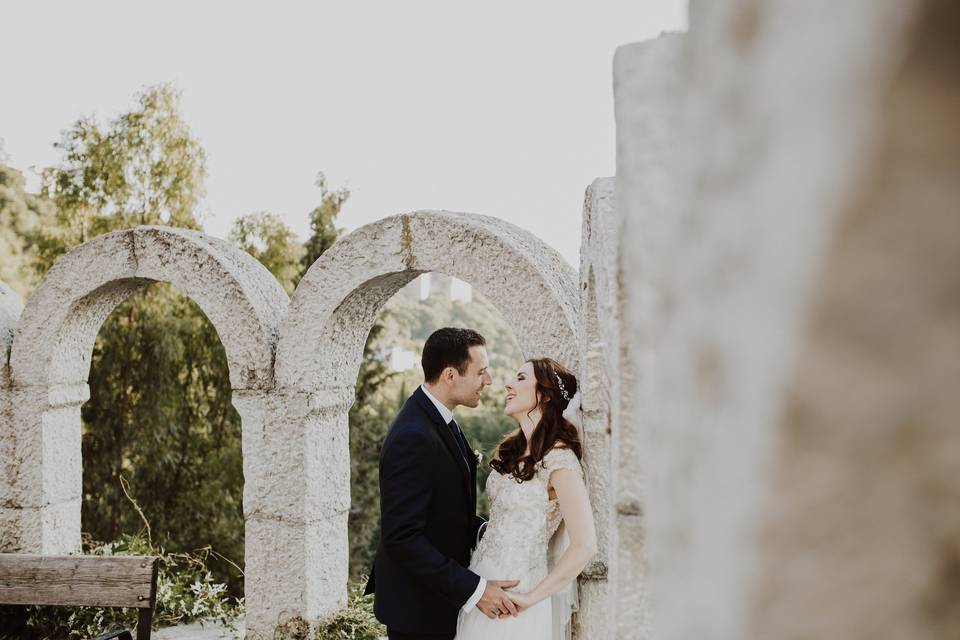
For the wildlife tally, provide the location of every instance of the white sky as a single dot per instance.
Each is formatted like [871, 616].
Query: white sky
[500, 108]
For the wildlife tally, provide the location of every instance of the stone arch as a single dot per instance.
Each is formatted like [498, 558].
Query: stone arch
[319, 353]
[512, 267]
[613, 587]
[52, 346]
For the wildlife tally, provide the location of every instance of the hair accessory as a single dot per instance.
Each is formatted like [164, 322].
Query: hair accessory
[563, 390]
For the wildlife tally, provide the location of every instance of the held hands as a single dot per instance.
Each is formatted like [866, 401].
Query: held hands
[522, 601]
[495, 603]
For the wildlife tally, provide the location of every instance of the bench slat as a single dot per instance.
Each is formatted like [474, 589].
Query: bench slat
[80, 581]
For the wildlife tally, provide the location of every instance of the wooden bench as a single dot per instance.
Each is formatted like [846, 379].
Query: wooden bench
[83, 581]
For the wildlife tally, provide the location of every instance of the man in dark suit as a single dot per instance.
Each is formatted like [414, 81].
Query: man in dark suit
[428, 501]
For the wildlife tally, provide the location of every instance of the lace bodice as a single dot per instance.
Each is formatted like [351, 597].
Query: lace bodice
[522, 520]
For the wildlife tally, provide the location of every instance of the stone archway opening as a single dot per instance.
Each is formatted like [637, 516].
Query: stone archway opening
[390, 372]
[160, 429]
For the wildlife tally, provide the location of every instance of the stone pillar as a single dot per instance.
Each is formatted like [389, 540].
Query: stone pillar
[42, 466]
[646, 92]
[296, 462]
[798, 424]
[599, 388]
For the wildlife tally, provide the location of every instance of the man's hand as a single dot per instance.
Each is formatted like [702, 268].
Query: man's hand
[495, 603]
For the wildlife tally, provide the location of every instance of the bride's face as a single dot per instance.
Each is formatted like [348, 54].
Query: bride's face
[521, 392]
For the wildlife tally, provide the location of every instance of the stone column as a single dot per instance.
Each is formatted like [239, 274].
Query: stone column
[296, 461]
[599, 389]
[800, 424]
[41, 506]
[647, 104]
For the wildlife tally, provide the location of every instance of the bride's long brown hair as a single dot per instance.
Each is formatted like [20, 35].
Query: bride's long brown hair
[553, 428]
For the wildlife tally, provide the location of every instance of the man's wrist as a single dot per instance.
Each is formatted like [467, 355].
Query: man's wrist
[475, 598]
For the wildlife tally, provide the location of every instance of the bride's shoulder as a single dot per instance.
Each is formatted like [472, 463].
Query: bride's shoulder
[561, 457]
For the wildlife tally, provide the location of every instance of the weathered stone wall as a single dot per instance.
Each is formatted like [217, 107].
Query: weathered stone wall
[787, 182]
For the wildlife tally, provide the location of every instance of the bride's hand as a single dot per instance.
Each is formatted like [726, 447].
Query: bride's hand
[523, 601]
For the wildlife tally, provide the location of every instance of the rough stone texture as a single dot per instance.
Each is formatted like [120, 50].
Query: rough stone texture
[318, 356]
[337, 301]
[646, 90]
[788, 466]
[239, 296]
[296, 462]
[869, 441]
[601, 383]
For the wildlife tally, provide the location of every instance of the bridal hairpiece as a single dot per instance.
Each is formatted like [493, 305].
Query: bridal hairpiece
[563, 390]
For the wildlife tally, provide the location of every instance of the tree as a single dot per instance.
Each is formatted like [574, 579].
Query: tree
[22, 217]
[323, 229]
[159, 414]
[274, 244]
[370, 416]
[145, 168]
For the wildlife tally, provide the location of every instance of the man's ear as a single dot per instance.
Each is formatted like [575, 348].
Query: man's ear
[447, 374]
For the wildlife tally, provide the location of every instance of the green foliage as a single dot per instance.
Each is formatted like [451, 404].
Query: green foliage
[274, 244]
[23, 215]
[323, 229]
[370, 416]
[144, 168]
[355, 622]
[160, 415]
[186, 591]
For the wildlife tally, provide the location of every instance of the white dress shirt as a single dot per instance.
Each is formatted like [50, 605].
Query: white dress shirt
[447, 416]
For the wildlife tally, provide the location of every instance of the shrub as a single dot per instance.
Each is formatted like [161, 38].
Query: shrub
[355, 622]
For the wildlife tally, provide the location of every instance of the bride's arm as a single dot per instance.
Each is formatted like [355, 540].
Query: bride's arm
[575, 507]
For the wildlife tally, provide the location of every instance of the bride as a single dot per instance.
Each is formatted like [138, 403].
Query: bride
[536, 486]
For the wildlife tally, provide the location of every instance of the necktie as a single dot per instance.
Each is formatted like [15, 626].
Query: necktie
[458, 436]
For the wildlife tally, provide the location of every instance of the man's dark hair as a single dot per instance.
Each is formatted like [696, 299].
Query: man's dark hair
[448, 347]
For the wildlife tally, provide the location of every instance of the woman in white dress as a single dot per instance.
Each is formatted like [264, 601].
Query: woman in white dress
[536, 484]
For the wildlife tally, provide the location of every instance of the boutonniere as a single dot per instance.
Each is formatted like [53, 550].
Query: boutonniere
[479, 455]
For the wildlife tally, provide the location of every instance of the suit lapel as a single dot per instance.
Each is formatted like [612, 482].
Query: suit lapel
[448, 439]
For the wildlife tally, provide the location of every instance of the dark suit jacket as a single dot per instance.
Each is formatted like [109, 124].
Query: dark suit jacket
[428, 505]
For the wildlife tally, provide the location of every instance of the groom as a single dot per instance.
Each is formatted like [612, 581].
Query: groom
[428, 501]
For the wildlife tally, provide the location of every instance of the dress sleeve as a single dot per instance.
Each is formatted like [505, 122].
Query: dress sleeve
[561, 458]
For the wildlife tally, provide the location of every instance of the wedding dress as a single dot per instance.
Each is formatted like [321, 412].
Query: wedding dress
[523, 532]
